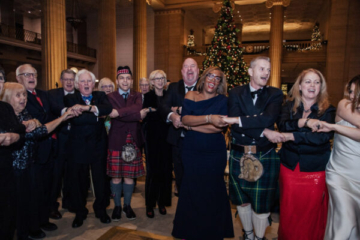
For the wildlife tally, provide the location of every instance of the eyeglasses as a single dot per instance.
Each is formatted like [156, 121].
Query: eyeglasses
[29, 75]
[106, 86]
[212, 76]
[144, 85]
[68, 79]
[159, 79]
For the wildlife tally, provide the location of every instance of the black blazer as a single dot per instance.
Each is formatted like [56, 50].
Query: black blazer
[174, 97]
[256, 118]
[88, 139]
[310, 149]
[44, 115]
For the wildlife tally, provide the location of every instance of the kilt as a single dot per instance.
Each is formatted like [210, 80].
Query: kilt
[261, 194]
[116, 167]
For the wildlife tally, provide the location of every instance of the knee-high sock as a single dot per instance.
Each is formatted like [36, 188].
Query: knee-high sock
[261, 222]
[128, 190]
[116, 191]
[245, 214]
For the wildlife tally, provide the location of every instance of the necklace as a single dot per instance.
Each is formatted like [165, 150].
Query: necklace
[306, 111]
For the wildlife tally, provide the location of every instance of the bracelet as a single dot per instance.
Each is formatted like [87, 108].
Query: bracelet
[150, 109]
[189, 128]
[90, 108]
[207, 118]
[210, 119]
[305, 124]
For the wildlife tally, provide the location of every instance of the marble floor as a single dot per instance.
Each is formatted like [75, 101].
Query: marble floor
[161, 224]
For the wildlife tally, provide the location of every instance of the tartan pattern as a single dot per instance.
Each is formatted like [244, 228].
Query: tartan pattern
[116, 167]
[261, 194]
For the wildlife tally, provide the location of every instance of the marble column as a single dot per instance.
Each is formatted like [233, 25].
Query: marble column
[276, 38]
[53, 42]
[140, 41]
[106, 54]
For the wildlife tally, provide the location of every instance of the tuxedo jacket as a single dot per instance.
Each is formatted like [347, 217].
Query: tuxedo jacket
[174, 97]
[127, 121]
[254, 118]
[44, 115]
[88, 139]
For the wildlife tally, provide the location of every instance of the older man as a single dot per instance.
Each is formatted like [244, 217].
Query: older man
[171, 111]
[38, 106]
[87, 147]
[254, 108]
[144, 86]
[56, 97]
[2, 78]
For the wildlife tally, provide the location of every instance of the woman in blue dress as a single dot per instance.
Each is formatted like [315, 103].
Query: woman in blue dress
[203, 210]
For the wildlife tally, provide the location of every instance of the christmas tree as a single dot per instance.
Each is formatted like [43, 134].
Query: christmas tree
[225, 50]
[316, 36]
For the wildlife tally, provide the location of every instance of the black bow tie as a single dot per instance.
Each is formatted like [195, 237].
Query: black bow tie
[257, 92]
[189, 88]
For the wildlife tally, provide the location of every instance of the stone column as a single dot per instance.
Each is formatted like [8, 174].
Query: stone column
[169, 42]
[53, 42]
[140, 41]
[276, 38]
[106, 54]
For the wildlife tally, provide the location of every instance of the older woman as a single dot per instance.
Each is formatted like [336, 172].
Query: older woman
[158, 153]
[16, 95]
[87, 147]
[304, 155]
[342, 171]
[106, 85]
[203, 210]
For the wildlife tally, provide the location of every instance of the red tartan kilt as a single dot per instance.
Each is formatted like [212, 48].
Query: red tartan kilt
[117, 167]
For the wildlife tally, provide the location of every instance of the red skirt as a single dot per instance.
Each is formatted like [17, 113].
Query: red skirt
[303, 204]
[117, 167]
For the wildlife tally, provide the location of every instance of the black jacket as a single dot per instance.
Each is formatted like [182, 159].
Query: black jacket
[256, 118]
[310, 149]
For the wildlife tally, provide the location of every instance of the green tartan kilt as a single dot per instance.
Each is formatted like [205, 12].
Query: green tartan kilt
[262, 193]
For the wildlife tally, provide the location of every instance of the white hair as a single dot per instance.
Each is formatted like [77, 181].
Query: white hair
[17, 72]
[82, 71]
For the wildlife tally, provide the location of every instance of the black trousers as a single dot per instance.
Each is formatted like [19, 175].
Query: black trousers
[178, 165]
[80, 185]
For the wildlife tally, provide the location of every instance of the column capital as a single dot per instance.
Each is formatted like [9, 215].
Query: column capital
[271, 3]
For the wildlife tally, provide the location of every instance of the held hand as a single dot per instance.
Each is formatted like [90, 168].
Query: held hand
[325, 127]
[231, 120]
[114, 113]
[288, 136]
[273, 136]
[312, 123]
[38, 123]
[175, 118]
[9, 138]
[217, 120]
[30, 125]
[67, 115]
[176, 110]
[144, 112]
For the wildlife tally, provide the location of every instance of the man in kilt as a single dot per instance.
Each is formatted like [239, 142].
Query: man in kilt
[255, 107]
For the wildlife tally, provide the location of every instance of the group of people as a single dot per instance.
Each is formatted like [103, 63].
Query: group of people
[54, 138]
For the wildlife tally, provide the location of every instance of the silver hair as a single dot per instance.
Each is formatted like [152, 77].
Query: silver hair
[82, 71]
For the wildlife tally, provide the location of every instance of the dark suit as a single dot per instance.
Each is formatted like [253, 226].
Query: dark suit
[44, 163]
[87, 146]
[174, 97]
[56, 97]
[254, 119]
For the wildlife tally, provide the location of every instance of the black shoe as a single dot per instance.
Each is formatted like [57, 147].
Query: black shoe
[38, 234]
[55, 214]
[116, 215]
[150, 212]
[78, 221]
[104, 218]
[49, 226]
[162, 210]
[129, 212]
[246, 234]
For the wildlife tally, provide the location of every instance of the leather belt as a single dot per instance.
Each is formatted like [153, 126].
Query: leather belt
[241, 148]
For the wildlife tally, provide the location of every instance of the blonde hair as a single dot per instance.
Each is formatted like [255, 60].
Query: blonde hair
[153, 74]
[102, 83]
[221, 89]
[322, 99]
[8, 89]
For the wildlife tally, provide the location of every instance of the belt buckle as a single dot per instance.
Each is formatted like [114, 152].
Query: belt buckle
[250, 149]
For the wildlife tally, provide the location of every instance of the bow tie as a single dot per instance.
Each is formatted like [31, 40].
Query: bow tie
[189, 88]
[87, 100]
[257, 92]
